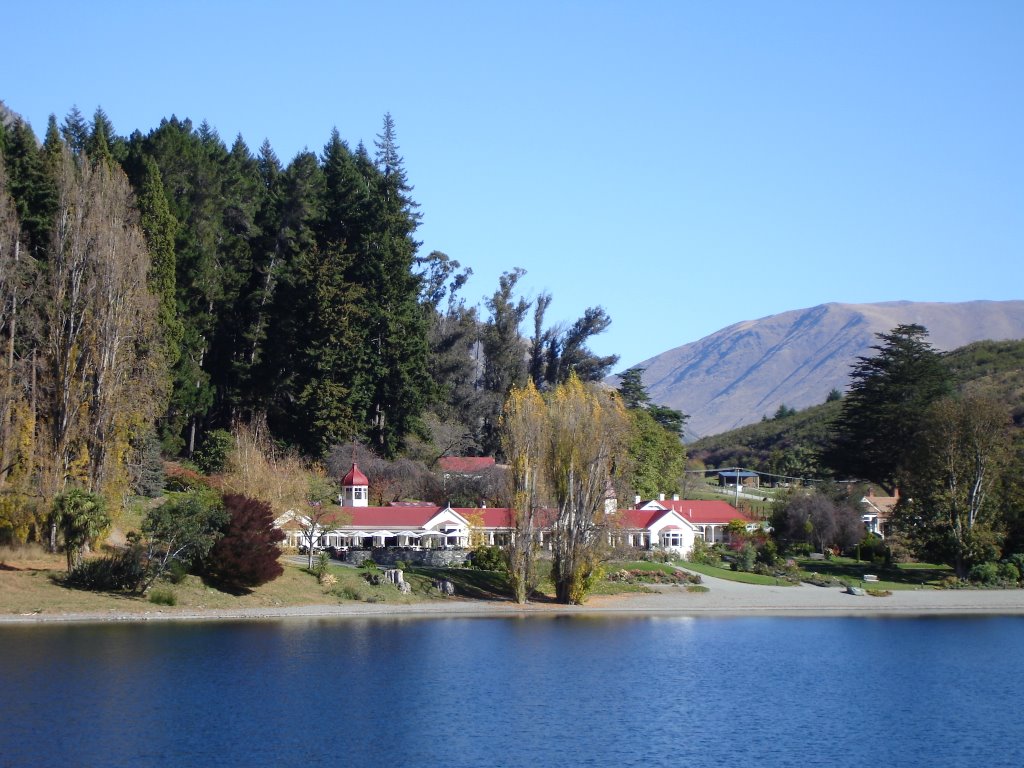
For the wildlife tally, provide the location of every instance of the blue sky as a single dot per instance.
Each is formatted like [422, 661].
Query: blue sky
[685, 165]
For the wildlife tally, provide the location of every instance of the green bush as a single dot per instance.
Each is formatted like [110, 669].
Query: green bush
[176, 572]
[745, 558]
[701, 553]
[1008, 573]
[985, 573]
[213, 452]
[488, 559]
[322, 563]
[768, 553]
[120, 572]
[873, 548]
[800, 549]
[163, 597]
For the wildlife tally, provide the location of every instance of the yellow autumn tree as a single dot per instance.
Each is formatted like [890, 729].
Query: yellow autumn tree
[524, 427]
[567, 445]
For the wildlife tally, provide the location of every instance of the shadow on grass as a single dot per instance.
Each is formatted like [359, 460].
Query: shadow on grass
[855, 571]
[470, 582]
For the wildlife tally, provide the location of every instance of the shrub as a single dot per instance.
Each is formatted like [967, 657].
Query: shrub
[120, 572]
[489, 559]
[801, 549]
[768, 553]
[873, 548]
[745, 558]
[348, 593]
[213, 453]
[327, 579]
[701, 553]
[323, 563]
[163, 597]
[985, 573]
[1018, 560]
[951, 582]
[1008, 573]
[176, 572]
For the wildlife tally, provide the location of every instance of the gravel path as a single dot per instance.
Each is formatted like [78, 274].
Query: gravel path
[723, 598]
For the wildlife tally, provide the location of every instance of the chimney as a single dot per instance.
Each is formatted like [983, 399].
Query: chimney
[675, 497]
[636, 500]
[661, 497]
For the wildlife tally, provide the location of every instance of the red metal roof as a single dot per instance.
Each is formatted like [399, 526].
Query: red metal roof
[705, 512]
[465, 464]
[640, 518]
[384, 517]
[493, 517]
[355, 477]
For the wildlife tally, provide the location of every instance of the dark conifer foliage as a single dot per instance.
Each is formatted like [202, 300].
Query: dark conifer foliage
[297, 291]
[882, 411]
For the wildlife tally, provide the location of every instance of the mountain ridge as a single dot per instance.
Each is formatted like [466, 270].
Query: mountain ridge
[745, 371]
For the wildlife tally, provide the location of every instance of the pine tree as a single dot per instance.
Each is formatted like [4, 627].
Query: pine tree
[31, 183]
[881, 415]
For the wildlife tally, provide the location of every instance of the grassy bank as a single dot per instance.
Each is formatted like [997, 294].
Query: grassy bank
[31, 582]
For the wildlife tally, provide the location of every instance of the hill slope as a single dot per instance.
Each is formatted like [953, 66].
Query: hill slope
[746, 371]
[790, 445]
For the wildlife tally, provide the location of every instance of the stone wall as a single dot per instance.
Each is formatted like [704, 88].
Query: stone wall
[434, 558]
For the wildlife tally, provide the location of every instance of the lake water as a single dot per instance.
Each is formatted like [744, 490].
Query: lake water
[537, 692]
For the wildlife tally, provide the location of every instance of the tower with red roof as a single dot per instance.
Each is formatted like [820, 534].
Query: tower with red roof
[355, 488]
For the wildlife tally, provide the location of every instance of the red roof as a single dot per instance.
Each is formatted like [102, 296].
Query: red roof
[465, 464]
[706, 512]
[493, 517]
[386, 517]
[640, 518]
[355, 477]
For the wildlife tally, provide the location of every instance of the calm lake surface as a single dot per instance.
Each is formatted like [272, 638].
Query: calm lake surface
[579, 691]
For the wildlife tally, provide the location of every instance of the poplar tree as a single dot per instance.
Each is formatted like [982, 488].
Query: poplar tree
[101, 358]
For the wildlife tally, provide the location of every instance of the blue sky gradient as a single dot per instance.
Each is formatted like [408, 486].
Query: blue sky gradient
[686, 165]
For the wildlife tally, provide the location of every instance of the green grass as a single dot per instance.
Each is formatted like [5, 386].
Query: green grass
[730, 575]
[900, 576]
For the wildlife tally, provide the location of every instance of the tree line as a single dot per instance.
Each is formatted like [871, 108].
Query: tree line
[158, 289]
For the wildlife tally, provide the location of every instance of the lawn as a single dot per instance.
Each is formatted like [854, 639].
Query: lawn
[730, 575]
[898, 576]
[30, 582]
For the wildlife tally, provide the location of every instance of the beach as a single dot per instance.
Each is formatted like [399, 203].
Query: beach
[722, 598]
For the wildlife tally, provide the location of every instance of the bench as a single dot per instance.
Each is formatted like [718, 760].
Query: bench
[870, 577]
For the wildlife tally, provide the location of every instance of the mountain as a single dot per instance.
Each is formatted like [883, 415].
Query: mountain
[746, 371]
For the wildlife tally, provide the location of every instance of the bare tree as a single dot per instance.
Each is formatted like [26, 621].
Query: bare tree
[99, 354]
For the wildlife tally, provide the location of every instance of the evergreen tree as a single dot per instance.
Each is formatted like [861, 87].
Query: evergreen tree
[632, 390]
[504, 354]
[31, 183]
[283, 325]
[882, 412]
[394, 353]
[159, 226]
[98, 144]
[75, 131]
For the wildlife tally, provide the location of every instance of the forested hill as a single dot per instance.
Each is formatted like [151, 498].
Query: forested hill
[791, 442]
[741, 373]
[159, 287]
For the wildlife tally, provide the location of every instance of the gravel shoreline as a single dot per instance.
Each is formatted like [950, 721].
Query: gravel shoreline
[723, 598]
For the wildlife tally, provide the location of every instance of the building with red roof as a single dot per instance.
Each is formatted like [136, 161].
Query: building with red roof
[668, 524]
